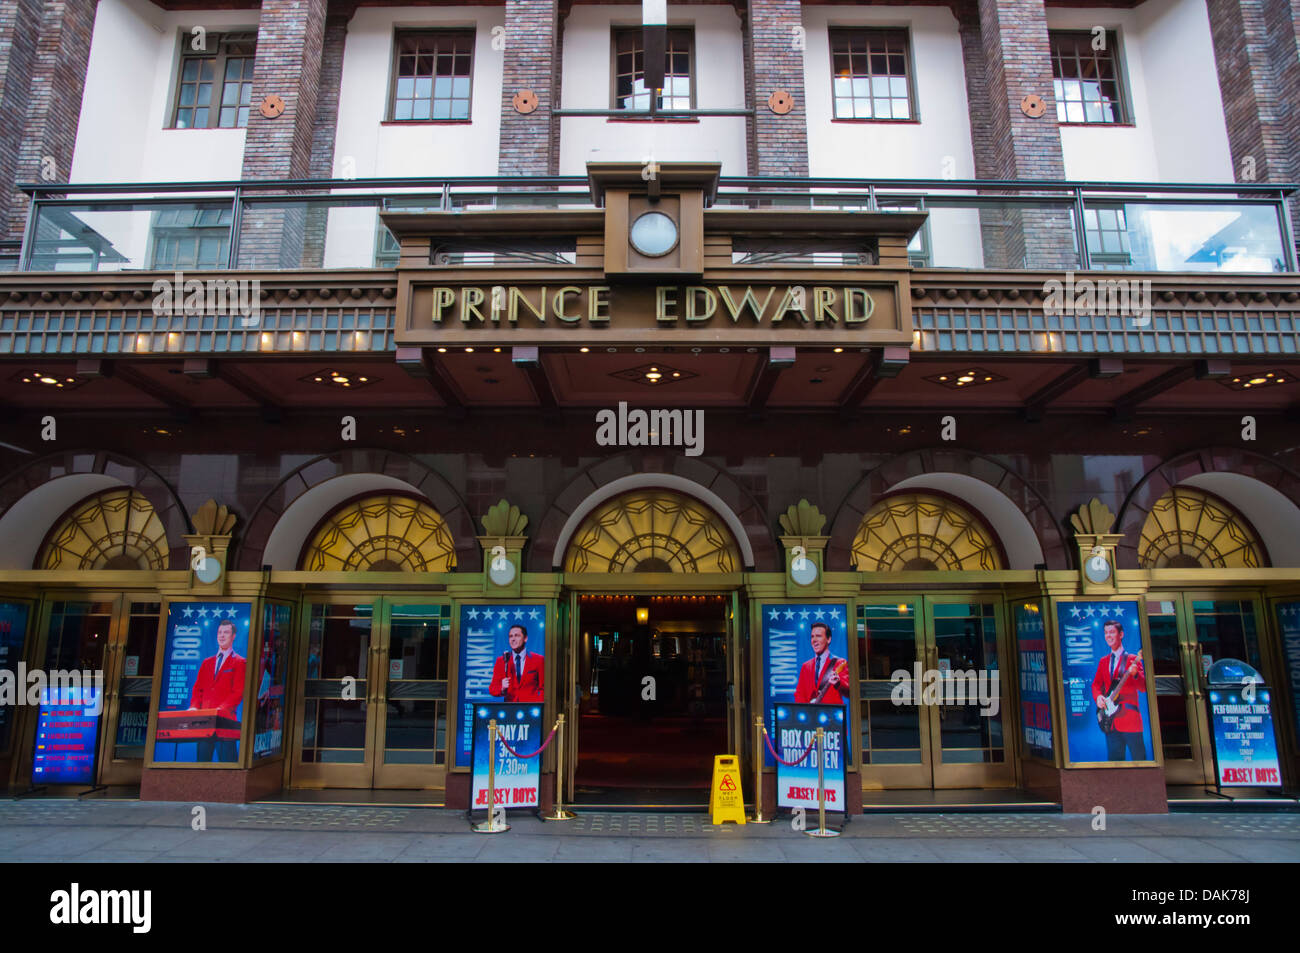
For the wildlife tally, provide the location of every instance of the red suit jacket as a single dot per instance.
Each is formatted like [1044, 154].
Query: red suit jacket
[525, 690]
[225, 691]
[836, 694]
[1126, 719]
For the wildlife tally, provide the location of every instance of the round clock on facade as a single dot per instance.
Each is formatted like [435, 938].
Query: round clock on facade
[654, 234]
[501, 572]
[803, 571]
[1097, 568]
[209, 571]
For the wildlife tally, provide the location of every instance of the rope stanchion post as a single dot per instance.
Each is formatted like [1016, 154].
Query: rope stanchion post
[492, 825]
[558, 813]
[758, 817]
[821, 790]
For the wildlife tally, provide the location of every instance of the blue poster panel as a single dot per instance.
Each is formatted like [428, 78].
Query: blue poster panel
[796, 734]
[502, 659]
[1106, 713]
[805, 656]
[13, 632]
[518, 772]
[1288, 619]
[1035, 695]
[204, 670]
[67, 731]
[1244, 746]
[268, 727]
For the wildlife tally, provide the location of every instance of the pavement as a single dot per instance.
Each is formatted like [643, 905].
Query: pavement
[59, 830]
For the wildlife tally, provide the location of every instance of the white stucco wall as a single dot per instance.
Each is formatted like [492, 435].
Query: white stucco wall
[365, 146]
[720, 84]
[1178, 132]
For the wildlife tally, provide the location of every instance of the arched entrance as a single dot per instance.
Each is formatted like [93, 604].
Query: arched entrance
[651, 644]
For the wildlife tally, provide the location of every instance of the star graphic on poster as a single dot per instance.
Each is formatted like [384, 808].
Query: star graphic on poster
[504, 613]
[789, 613]
[774, 614]
[835, 613]
[472, 613]
[819, 614]
[532, 614]
[805, 613]
[1075, 612]
[1090, 612]
[203, 612]
[189, 611]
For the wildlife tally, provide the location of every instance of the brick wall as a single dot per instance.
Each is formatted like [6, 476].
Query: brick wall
[321, 164]
[55, 74]
[1257, 52]
[530, 143]
[290, 41]
[778, 145]
[19, 27]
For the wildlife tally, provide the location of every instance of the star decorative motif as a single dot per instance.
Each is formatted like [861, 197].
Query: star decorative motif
[789, 613]
[203, 612]
[835, 613]
[532, 614]
[472, 613]
[1090, 611]
[819, 614]
[1075, 612]
[805, 613]
[189, 611]
[774, 614]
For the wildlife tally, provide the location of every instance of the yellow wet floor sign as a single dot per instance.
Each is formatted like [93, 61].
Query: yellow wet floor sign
[726, 800]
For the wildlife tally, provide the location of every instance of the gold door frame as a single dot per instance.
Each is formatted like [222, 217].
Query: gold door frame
[884, 777]
[984, 774]
[317, 775]
[409, 776]
[127, 771]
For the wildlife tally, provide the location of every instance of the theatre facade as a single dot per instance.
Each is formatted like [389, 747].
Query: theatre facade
[663, 436]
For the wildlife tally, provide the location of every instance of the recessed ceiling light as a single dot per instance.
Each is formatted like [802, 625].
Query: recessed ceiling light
[442, 350]
[469, 350]
[584, 350]
[839, 350]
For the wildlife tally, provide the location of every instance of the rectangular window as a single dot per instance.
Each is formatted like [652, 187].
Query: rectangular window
[191, 237]
[871, 74]
[1086, 80]
[215, 85]
[432, 79]
[630, 90]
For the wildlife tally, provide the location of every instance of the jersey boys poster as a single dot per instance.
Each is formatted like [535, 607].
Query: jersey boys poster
[517, 778]
[1107, 715]
[805, 655]
[502, 659]
[1244, 745]
[1035, 696]
[796, 742]
[204, 671]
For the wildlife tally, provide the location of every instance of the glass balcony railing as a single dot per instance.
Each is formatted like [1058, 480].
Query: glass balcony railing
[970, 225]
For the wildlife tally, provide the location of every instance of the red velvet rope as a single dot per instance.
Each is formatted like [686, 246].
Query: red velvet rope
[788, 764]
[501, 738]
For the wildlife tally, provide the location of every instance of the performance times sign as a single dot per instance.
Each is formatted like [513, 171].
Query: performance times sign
[1244, 745]
[517, 778]
[796, 743]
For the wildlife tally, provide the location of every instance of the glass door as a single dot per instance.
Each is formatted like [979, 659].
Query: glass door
[1189, 633]
[373, 695]
[115, 636]
[332, 747]
[967, 743]
[932, 696]
[411, 704]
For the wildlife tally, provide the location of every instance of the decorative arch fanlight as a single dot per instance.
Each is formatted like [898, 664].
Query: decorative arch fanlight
[920, 532]
[1189, 529]
[382, 533]
[115, 529]
[652, 531]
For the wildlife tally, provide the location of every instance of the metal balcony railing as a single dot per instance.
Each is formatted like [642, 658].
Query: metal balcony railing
[972, 224]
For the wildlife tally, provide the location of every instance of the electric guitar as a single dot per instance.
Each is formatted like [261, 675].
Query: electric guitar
[839, 667]
[1106, 715]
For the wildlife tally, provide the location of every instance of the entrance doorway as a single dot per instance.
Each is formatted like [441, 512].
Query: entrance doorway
[118, 635]
[651, 699]
[1189, 633]
[958, 742]
[372, 697]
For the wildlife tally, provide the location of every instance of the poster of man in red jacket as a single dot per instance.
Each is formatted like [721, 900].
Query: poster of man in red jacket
[824, 678]
[1121, 713]
[519, 675]
[220, 685]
